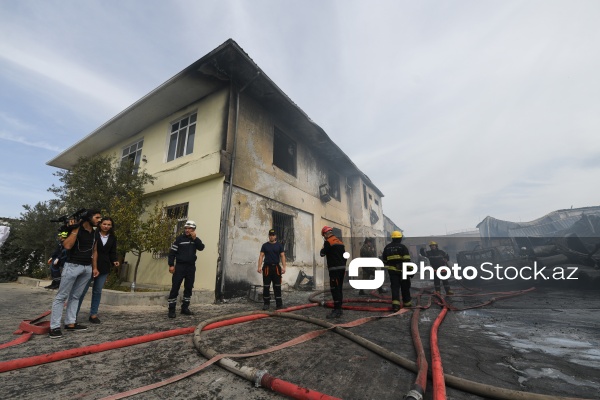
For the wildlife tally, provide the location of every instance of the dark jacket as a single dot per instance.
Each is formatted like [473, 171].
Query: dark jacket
[333, 250]
[437, 258]
[60, 253]
[394, 254]
[107, 253]
[183, 250]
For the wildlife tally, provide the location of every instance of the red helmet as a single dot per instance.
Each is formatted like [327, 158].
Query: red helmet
[325, 230]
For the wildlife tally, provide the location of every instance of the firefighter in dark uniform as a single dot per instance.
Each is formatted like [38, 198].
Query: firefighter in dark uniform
[333, 250]
[182, 264]
[438, 258]
[271, 253]
[57, 260]
[394, 254]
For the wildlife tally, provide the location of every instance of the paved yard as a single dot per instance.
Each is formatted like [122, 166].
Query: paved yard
[546, 341]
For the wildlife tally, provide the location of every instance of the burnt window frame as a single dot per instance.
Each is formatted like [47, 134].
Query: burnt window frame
[333, 181]
[281, 147]
[284, 229]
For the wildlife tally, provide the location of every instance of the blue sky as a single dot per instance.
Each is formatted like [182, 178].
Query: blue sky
[455, 110]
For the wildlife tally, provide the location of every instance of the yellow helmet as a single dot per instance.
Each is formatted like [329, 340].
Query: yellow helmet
[432, 243]
[396, 235]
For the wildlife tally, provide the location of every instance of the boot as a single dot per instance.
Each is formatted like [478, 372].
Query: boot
[335, 313]
[186, 311]
[361, 293]
[53, 285]
[171, 312]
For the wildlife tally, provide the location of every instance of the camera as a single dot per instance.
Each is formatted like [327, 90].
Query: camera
[77, 216]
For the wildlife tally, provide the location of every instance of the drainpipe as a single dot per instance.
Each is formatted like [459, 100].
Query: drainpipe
[223, 252]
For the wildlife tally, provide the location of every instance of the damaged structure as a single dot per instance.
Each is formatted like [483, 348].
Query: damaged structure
[232, 152]
[569, 236]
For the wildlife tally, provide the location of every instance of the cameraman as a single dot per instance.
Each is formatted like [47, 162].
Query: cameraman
[76, 272]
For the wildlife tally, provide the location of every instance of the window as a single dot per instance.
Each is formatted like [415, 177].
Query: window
[365, 195]
[284, 152]
[337, 232]
[179, 212]
[133, 154]
[334, 185]
[284, 228]
[376, 202]
[181, 141]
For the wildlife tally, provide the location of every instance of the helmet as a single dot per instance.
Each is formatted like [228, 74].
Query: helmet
[432, 243]
[396, 235]
[190, 224]
[325, 230]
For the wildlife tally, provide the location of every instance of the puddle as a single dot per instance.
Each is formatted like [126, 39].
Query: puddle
[551, 373]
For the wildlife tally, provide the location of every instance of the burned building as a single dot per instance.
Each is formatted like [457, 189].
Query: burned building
[231, 151]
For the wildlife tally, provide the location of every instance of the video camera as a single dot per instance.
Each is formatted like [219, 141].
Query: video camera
[77, 216]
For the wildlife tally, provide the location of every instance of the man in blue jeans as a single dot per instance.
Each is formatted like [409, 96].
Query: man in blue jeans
[76, 273]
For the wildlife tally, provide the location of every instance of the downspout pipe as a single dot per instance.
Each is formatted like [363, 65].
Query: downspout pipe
[223, 252]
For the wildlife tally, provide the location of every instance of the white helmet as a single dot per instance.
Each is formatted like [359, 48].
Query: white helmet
[190, 224]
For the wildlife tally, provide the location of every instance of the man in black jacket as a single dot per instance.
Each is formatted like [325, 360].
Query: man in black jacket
[395, 254]
[182, 264]
[333, 250]
[438, 258]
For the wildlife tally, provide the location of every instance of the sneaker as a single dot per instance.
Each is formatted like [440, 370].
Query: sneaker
[265, 307]
[186, 311]
[171, 313]
[76, 327]
[55, 333]
[94, 320]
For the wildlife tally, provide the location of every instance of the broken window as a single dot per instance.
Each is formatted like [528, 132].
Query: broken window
[284, 228]
[334, 185]
[284, 152]
[181, 141]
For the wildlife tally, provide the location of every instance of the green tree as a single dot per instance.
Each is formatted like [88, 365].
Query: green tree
[154, 233]
[32, 240]
[94, 182]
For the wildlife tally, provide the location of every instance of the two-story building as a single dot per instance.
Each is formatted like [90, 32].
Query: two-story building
[232, 152]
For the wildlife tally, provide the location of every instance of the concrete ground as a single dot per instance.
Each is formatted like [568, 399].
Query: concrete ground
[546, 341]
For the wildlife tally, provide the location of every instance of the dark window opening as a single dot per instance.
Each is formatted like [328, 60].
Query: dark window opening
[376, 201]
[284, 152]
[334, 185]
[365, 195]
[284, 228]
[337, 232]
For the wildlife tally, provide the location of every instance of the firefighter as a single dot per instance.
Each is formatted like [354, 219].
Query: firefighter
[438, 258]
[394, 255]
[333, 250]
[272, 254]
[182, 265]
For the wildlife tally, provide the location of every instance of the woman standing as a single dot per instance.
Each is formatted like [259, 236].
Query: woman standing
[105, 256]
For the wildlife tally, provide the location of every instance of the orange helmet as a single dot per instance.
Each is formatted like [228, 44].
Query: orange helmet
[325, 230]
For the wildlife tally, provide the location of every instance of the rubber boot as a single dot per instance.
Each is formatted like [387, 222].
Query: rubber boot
[172, 312]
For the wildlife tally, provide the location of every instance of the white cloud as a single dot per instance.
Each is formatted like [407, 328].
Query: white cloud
[21, 140]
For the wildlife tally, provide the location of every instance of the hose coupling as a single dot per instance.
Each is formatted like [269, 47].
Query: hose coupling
[258, 377]
[413, 395]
